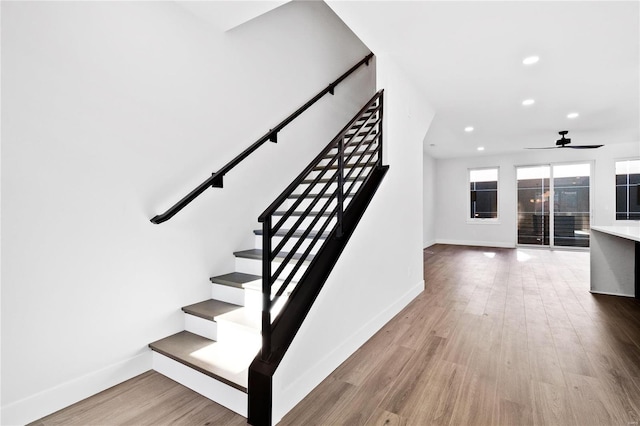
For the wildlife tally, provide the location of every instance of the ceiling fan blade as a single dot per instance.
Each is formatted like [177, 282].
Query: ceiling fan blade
[546, 147]
[583, 146]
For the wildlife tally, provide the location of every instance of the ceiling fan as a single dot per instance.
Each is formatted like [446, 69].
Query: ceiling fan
[564, 142]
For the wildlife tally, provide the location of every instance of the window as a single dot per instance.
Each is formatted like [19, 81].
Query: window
[628, 190]
[483, 189]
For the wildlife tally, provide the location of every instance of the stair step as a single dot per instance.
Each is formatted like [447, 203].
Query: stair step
[311, 196]
[247, 318]
[358, 124]
[362, 143]
[349, 149]
[300, 213]
[207, 356]
[257, 255]
[296, 234]
[325, 180]
[347, 166]
[235, 279]
[209, 309]
[364, 131]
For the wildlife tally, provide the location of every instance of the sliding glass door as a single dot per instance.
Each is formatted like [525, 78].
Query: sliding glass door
[571, 207]
[533, 205]
[554, 205]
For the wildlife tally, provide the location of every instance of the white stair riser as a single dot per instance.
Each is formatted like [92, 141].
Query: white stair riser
[329, 173]
[351, 149]
[200, 326]
[332, 187]
[215, 390]
[250, 298]
[350, 173]
[253, 299]
[253, 296]
[291, 243]
[228, 294]
[366, 149]
[239, 336]
[254, 266]
[352, 161]
[319, 205]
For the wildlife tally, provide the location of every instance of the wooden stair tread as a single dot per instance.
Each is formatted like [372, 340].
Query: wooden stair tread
[207, 356]
[209, 309]
[235, 279]
[257, 254]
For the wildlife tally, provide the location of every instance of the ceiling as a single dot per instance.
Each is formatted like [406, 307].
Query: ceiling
[467, 59]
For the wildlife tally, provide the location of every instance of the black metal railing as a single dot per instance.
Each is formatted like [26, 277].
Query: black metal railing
[216, 179]
[312, 206]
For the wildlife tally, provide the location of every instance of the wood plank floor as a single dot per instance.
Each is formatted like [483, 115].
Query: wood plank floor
[499, 337]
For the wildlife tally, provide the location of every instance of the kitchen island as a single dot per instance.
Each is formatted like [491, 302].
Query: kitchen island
[615, 260]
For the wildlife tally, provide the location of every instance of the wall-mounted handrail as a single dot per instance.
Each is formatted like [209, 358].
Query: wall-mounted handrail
[272, 135]
[278, 201]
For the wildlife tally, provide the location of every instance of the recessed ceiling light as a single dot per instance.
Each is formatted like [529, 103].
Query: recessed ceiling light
[481, 148]
[468, 129]
[572, 115]
[530, 60]
[528, 102]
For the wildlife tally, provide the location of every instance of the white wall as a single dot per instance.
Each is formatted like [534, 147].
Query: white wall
[452, 191]
[380, 270]
[111, 112]
[429, 200]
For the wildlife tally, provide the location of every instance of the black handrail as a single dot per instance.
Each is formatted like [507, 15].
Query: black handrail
[215, 180]
[363, 131]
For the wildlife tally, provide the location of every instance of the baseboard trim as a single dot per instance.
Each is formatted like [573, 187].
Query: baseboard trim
[606, 293]
[475, 243]
[58, 397]
[297, 390]
[429, 243]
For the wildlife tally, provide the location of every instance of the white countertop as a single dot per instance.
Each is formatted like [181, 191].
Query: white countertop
[630, 232]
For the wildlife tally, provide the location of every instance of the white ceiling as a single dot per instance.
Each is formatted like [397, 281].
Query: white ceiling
[467, 59]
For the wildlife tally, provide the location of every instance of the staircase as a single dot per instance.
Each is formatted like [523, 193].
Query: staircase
[224, 334]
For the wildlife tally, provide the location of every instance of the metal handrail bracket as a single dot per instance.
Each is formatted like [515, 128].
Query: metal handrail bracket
[216, 179]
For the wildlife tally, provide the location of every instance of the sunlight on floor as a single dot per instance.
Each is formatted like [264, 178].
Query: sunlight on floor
[522, 256]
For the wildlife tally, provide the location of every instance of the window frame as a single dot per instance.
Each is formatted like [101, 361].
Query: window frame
[483, 220]
[615, 200]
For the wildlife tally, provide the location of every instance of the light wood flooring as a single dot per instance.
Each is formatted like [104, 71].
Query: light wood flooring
[498, 337]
